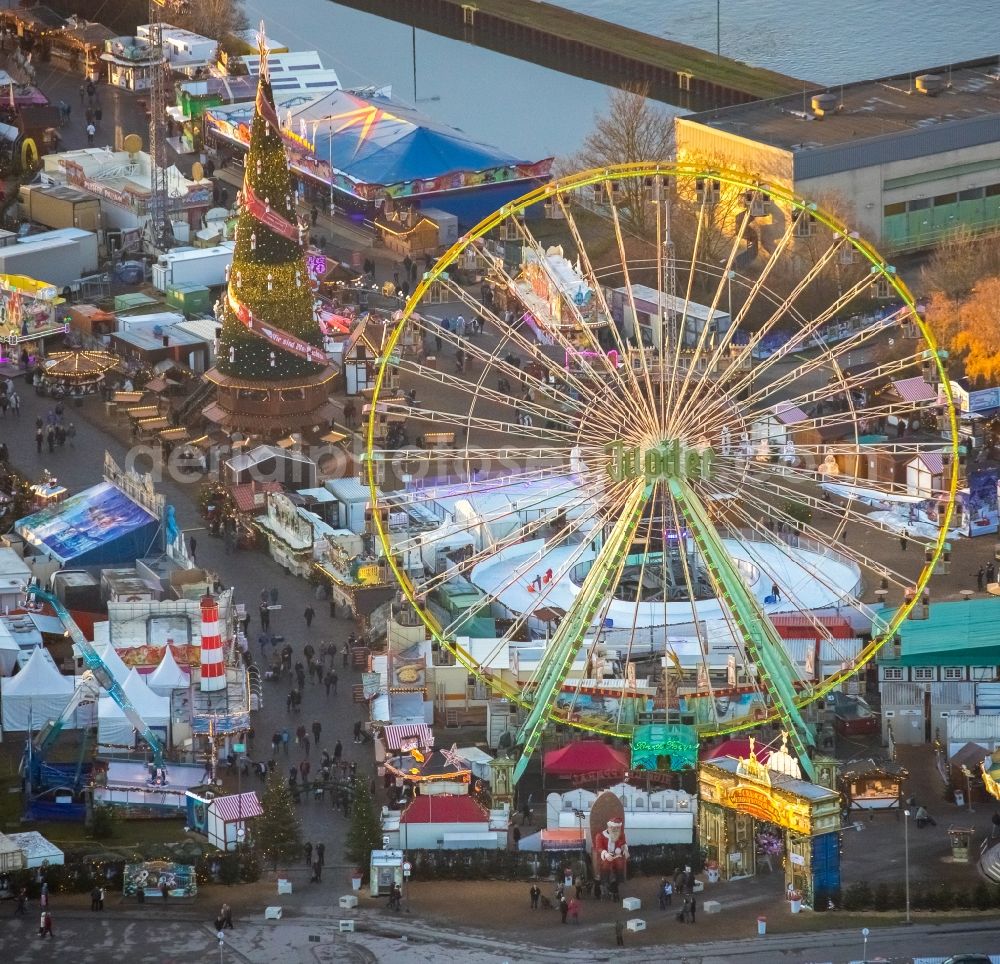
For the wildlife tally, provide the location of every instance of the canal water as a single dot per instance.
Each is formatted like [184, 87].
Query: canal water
[534, 112]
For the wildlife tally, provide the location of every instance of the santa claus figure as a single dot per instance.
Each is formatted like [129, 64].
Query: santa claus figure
[611, 851]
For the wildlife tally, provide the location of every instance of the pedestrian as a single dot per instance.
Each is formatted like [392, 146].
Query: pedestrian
[304, 767]
[81, 93]
[100, 898]
[663, 893]
[338, 749]
[50, 438]
[227, 916]
[574, 910]
[265, 617]
[534, 894]
[346, 657]
[321, 854]
[903, 540]
[516, 837]
[91, 131]
[308, 850]
[95, 896]
[275, 742]
[693, 908]
[981, 578]
[164, 889]
[619, 933]
[39, 438]
[317, 868]
[309, 614]
[317, 728]
[71, 435]
[335, 678]
[45, 924]
[563, 909]
[776, 591]
[328, 681]
[357, 732]
[305, 744]
[15, 403]
[314, 215]
[285, 738]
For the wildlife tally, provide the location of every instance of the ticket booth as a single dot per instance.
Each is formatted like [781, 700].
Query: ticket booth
[742, 802]
[386, 870]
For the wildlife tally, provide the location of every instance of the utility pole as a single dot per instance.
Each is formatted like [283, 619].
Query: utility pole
[159, 230]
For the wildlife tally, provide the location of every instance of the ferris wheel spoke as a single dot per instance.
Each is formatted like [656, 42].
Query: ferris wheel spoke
[559, 655]
[555, 334]
[766, 505]
[696, 621]
[744, 358]
[519, 534]
[648, 396]
[804, 339]
[759, 285]
[601, 513]
[496, 363]
[692, 363]
[632, 384]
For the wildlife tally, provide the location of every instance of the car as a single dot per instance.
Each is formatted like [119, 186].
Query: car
[969, 959]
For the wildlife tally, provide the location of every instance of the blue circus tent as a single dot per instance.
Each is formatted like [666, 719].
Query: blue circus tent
[99, 526]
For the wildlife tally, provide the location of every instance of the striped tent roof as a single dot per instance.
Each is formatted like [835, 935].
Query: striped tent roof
[237, 806]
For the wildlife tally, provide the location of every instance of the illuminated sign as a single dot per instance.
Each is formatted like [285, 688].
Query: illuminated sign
[656, 740]
[669, 459]
[762, 804]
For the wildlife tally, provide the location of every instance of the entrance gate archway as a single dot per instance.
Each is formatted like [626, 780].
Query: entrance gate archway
[736, 794]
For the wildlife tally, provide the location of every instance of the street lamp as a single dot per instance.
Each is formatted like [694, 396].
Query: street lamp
[906, 849]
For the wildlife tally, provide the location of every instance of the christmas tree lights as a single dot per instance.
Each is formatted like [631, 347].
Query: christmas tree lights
[269, 329]
[278, 830]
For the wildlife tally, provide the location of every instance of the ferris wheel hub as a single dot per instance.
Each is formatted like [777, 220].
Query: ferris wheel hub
[665, 460]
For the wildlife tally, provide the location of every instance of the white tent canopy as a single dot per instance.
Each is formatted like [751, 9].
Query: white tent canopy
[167, 676]
[9, 651]
[35, 695]
[114, 662]
[113, 728]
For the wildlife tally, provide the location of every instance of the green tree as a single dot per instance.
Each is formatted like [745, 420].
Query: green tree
[278, 830]
[268, 274]
[365, 833]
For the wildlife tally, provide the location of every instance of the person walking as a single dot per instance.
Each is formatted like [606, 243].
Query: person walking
[357, 731]
[534, 894]
[981, 578]
[308, 850]
[95, 896]
[904, 540]
[563, 908]
[328, 682]
[164, 890]
[193, 549]
[338, 749]
[693, 908]
[71, 435]
[265, 617]
[91, 131]
[15, 403]
[619, 933]
[321, 854]
[39, 439]
[309, 614]
[317, 728]
[100, 898]
[285, 740]
[226, 913]
[45, 924]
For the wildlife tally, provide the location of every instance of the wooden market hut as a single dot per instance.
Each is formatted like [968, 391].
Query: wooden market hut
[872, 785]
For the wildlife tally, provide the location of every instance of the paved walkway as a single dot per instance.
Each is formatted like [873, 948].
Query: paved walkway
[248, 571]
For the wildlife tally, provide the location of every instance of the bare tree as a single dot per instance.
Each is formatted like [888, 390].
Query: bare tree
[632, 130]
[959, 261]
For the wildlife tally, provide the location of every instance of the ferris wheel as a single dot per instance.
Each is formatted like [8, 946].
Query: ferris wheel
[661, 443]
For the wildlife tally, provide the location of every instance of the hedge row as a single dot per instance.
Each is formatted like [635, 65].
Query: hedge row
[924, 895]
[526, 865]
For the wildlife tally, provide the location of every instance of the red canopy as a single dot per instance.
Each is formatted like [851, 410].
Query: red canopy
[738, 749]
[586, 756]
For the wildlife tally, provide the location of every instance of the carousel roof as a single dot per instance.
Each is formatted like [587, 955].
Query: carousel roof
[81, 364]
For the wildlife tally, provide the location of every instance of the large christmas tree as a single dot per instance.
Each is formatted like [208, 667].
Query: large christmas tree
[269, 329]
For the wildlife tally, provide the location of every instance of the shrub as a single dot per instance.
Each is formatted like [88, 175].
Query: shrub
[881, 899]
[103, 822]
[858, 896]
[982, 896]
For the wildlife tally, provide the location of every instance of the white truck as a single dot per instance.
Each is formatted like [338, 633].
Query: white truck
[197, 266]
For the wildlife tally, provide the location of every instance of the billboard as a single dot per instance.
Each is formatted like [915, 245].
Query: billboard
[99, 525]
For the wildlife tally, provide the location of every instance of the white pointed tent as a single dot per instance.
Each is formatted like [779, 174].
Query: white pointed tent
[114, 662]
[35, 695]
[114, 732]
[167, 676]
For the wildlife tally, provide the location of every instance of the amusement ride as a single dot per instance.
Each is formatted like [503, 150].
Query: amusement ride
[659, 447]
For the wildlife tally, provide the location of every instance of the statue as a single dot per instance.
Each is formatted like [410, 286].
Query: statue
[611, 852]
[171, 530]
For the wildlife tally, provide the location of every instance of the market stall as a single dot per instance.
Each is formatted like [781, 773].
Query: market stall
[586, 761]
[76, 373]
[35, 695]
[872, 785]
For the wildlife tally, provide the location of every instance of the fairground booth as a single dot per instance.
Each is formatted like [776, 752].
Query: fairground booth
[754, 814]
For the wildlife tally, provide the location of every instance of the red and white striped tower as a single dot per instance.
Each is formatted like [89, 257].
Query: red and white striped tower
[213, 671]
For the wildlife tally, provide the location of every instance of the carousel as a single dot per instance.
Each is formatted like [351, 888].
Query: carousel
[75, 373]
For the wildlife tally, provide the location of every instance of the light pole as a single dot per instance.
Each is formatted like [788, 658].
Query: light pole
[906, 849]
[864, 934]
[718, 28]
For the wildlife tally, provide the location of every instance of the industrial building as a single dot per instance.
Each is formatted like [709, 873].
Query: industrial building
[904, 160]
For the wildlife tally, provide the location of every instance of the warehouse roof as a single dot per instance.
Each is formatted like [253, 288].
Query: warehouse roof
[865, 109]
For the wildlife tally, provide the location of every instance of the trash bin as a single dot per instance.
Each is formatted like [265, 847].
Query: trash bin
[761, 926]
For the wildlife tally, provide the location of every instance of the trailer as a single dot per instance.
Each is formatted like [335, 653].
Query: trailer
[56, 261]
[199, 266]
[59, 206]
[86, 242]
